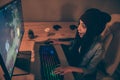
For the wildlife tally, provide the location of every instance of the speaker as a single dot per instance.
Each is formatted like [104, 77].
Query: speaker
[31, 34]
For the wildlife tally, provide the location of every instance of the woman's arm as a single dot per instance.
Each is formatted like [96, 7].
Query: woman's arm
[93, 60]
[89, 63]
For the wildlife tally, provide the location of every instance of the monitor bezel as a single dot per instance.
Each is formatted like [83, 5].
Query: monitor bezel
[6, 73]
[3, 66]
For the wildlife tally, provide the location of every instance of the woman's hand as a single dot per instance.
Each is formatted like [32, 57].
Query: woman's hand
[56, 41]
[67, 69]
[63, 70]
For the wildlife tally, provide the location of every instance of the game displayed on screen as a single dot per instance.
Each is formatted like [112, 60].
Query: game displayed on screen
[11, 32]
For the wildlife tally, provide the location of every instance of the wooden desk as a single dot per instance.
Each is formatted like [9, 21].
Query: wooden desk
[38, 29]
[17, 71]
[22, 77]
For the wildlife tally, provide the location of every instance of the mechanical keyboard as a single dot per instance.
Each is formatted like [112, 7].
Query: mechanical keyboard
[49, 61]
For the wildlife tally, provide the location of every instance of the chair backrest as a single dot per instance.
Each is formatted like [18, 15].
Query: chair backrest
[116, 74]
[111, 39]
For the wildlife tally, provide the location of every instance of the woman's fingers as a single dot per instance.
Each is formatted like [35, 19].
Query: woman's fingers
[55, 41]
[59, 70]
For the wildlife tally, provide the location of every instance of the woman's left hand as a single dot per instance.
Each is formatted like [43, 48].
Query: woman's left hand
[63, 70]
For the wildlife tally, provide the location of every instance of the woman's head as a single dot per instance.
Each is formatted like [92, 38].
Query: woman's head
[91, 24]
[93, 21]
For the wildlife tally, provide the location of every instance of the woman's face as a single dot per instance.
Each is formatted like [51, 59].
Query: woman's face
[81, 29]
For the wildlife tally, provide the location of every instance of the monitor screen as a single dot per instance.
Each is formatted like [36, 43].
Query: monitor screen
[11, 32]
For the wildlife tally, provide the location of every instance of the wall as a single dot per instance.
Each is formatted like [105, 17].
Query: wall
[63, 10]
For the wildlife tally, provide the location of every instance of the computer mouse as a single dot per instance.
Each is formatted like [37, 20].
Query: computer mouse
[57, 27]
[73, 27]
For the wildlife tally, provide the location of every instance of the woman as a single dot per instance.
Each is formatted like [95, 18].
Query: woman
[86, 50]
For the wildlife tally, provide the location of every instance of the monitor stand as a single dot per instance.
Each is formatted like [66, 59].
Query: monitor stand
[22, 75]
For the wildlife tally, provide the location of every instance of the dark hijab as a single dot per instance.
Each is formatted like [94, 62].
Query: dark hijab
[95, 21]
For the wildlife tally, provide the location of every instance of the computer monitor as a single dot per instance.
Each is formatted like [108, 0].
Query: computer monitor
[11, 32]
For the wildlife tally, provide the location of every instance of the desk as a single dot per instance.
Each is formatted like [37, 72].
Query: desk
[38, 29]
[22, 77]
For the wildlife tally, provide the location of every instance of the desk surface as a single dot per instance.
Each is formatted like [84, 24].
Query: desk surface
[39, 31]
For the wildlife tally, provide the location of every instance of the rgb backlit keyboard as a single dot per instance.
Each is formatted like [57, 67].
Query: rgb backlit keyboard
[49, 61]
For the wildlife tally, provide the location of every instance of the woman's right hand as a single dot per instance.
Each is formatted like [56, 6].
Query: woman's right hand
[55, 41]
